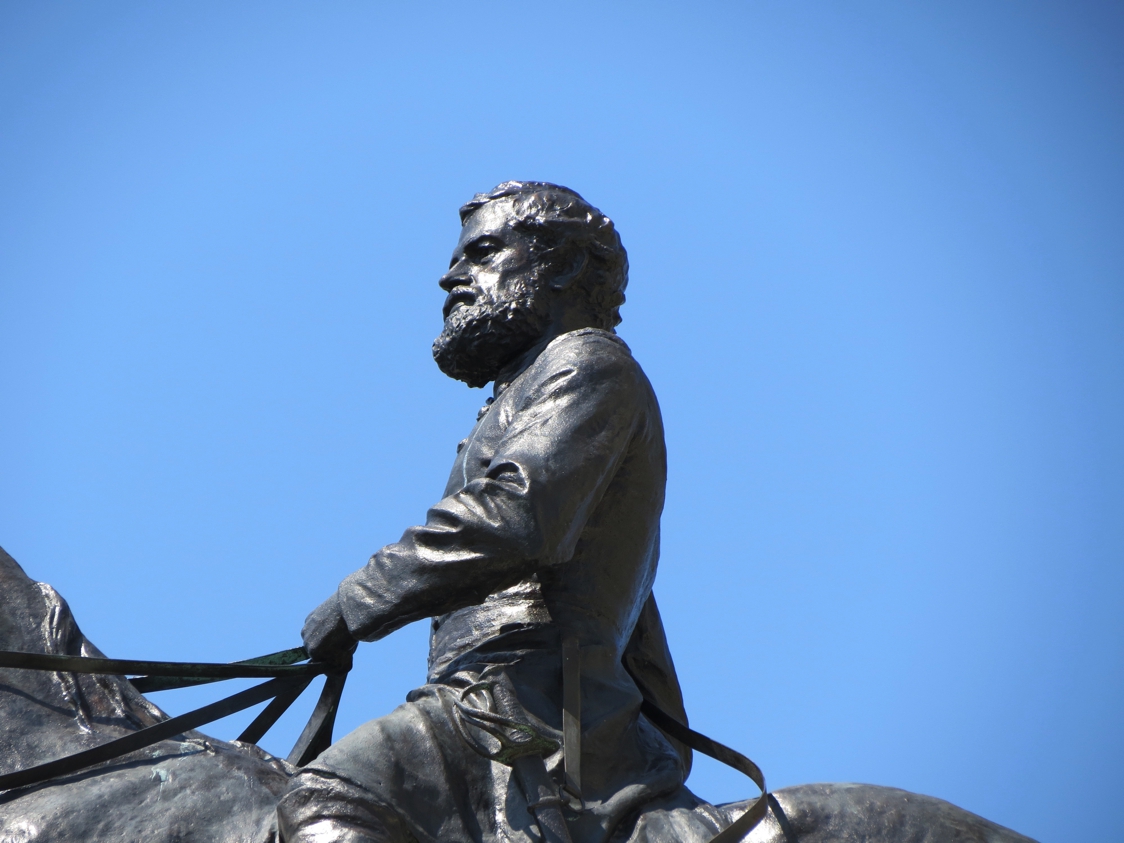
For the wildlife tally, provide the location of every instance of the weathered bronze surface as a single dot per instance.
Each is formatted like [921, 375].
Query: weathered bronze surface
[549, 672]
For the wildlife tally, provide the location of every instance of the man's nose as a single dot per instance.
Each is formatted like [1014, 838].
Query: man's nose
[454, 278]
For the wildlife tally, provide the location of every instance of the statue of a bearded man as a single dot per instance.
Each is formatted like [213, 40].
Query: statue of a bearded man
[543, 550]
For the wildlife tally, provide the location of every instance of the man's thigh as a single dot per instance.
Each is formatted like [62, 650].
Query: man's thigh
[405, 777]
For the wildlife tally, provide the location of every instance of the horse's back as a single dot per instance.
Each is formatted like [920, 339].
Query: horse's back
[866, 813]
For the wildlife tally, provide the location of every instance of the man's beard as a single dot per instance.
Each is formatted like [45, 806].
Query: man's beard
[478, 340]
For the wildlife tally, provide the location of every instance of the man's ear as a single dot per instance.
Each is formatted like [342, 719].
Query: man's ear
[569, 269]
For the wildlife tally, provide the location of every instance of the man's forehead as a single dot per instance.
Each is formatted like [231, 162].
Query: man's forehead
[494, 218]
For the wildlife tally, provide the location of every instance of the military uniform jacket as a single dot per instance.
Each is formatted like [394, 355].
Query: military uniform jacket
[549, 528]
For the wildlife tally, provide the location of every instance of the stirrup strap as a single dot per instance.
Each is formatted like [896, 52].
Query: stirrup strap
[572, 717]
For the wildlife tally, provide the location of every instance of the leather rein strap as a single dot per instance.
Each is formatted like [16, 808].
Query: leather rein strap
[287, 680]
[571, 744]
[719, 752]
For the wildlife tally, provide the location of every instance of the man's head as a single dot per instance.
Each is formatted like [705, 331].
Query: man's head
[533, 260]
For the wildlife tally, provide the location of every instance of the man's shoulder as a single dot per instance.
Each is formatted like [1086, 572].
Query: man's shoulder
[588, 358]
[588, 346]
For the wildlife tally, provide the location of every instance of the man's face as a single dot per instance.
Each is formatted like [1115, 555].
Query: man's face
[494, 310]
[491, 263]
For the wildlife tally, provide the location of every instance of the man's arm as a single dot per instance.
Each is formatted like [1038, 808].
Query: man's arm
[558, 454]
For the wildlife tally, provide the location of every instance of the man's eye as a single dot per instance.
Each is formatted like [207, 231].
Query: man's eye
[482, 253]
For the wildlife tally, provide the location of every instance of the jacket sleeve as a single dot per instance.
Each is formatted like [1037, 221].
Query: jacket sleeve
[567, 435]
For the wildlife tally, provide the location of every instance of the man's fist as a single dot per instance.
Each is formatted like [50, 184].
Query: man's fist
[326, 637]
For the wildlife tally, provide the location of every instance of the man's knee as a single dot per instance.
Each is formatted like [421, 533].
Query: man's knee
[325, 831]
[321, 808]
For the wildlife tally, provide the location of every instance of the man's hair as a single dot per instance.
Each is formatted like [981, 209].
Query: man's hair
[558, 218]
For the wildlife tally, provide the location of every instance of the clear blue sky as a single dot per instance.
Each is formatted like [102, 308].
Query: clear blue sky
[877, 254]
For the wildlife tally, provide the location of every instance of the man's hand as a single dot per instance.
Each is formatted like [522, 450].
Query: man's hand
[326, 636]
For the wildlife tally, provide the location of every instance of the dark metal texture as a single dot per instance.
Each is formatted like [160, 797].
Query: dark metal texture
[865, 813]
[147, 737]
[317, 734]
[543, 800]
[187, 787]
[252, 669]
[272, 712]
[150, 684]
[284, 689]
[572, 716]
[731, 758]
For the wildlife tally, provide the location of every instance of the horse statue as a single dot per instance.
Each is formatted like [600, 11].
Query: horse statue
[191, 788]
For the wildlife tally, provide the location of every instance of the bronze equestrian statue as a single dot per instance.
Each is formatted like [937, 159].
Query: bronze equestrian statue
[551, 710]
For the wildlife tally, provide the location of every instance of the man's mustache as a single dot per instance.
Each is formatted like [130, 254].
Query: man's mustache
[459, 297]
